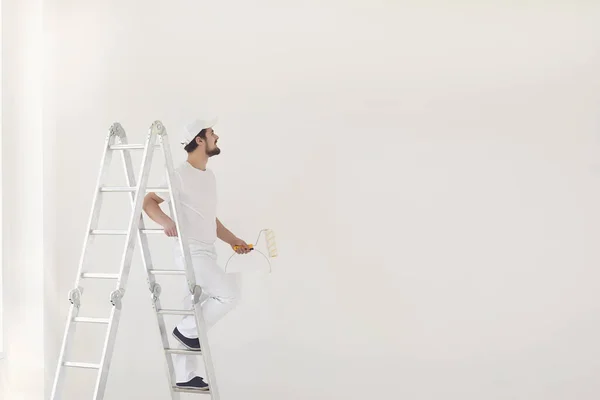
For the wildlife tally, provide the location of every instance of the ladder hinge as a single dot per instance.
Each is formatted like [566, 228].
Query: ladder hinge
[75, 296]
[197, 293]
[116, 296]
[159, 128]
[156, 291]
[117, 130]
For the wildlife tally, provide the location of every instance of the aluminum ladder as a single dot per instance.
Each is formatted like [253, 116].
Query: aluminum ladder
[116, 141]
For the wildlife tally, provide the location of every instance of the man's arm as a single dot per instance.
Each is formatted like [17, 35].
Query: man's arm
[152, 208]
[225, 234]
[228, 237]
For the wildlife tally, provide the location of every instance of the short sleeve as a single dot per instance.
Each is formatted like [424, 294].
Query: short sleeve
[175, 184]
[164, 195]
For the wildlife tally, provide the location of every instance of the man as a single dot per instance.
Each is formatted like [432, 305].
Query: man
[196, 186]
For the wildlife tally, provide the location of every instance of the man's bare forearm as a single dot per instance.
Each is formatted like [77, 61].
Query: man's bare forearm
[153, 210]
[225, 234]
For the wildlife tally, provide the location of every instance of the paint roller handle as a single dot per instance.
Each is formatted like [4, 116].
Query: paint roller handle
[250, 246]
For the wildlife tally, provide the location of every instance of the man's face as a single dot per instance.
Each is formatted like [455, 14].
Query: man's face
[211, 143]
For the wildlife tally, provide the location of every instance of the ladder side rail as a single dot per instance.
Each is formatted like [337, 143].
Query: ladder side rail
[195, 290]
[75, 295]
[125, 265]
[148, 265]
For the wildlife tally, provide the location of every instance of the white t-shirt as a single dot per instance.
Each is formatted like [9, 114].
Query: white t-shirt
[197, 190]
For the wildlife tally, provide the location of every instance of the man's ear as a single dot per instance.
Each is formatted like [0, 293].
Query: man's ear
[198, 141]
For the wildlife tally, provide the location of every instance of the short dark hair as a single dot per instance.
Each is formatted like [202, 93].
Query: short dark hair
[191, 146]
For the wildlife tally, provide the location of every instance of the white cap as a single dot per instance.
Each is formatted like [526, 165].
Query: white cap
[193, 129]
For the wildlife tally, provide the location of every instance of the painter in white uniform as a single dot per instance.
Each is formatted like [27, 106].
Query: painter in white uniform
[195, 185]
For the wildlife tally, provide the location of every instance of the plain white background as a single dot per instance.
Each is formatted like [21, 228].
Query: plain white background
[1, 231]
[23, 200]
[431, 173]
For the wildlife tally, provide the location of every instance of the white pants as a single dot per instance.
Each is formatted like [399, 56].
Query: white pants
[220, 295]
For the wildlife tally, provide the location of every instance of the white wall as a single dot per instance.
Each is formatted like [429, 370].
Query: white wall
[1, 224]
[1, 233]
[430, 172]
[22, 199]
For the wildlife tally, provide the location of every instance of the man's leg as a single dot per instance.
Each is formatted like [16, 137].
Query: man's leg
[220, 295]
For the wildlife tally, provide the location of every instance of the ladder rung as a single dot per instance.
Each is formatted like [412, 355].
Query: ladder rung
[81, 365]
[176, 312]
[186, 390]
[91, 320]
[130, 146]
[183, 351]
[127, 147]
[108, 232]
[167, 272]
[118, 232]
[93, 275]
[132, 189]
[153, 231]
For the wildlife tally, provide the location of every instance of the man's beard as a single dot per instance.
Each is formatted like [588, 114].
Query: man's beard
[213, 152]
